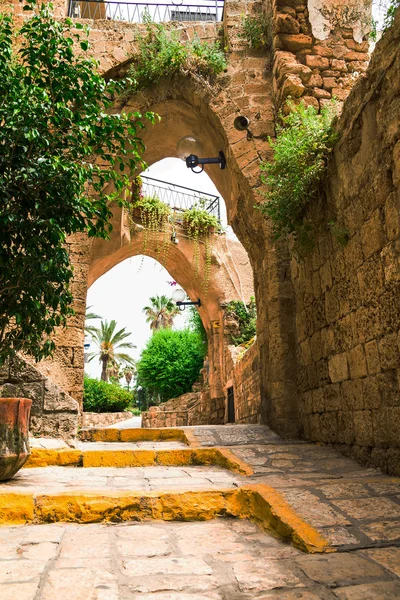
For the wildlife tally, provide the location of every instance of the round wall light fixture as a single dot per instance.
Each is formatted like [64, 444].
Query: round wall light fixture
[188, 145]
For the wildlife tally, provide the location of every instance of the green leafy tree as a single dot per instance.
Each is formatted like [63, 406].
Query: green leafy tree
[196, 324]
[161, 312]
[170, 363]
[63, 157]
[110, 343]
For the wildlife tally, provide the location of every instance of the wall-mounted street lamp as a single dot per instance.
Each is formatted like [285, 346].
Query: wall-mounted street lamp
[188, 149]
[179, 297]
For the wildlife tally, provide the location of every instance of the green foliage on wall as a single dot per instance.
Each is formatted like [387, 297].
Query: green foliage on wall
[171, 362]
[58, 140]
[391, 14]
[160, 52]
[101, 396]
[246, 319]
[302, 145]
[257, 30]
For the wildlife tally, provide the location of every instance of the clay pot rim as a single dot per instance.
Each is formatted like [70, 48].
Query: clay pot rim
[15, 400]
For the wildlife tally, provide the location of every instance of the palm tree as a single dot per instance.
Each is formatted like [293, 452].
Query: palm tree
[128, 373]
[110, 342]
[89, 329]
[161, 312]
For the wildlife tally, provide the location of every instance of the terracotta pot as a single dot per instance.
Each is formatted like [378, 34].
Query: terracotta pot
[14, 435]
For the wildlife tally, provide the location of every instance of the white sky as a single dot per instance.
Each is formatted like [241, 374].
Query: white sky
[122, 293]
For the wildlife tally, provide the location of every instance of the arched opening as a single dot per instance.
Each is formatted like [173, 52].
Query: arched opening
[230, 274]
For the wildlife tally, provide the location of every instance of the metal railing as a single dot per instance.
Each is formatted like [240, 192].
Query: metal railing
[137, 12]
[180, 198]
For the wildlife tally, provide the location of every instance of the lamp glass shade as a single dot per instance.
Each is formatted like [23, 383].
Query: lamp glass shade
[189, 145]
[178, 295]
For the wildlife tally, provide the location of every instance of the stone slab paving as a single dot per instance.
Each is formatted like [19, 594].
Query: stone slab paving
[46, 480]
[220, 559]
[351, 506]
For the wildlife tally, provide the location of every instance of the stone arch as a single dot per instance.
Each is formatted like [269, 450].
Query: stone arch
[178, 261]
[187, 102]
[186, 105]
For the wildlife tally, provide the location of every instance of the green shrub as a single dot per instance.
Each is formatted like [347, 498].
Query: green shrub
[171, 362]
[160, 53]
[257, 30]
[246, 318]
[100, 396]
[301, 148]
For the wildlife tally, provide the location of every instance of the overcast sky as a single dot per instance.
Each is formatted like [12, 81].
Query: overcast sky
[122, 293]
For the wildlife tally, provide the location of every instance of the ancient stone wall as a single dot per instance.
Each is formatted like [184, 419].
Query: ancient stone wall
[54, 413]
[320, 49]
[103, 419]
[243, 374]
[348, 296]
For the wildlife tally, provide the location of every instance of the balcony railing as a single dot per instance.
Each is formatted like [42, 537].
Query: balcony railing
[136, 12]
[180, 198]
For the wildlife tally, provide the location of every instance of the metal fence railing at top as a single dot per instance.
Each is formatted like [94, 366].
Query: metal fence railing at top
[137, 12]
[180, 198]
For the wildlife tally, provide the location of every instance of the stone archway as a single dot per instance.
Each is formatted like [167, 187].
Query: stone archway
[178, 261]
[189, 105]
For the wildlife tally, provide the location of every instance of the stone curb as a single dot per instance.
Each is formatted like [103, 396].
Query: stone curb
[222, 457]
[259, 503]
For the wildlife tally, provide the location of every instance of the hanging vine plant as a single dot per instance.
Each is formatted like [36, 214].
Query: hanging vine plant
[155, 217]
[200, 226]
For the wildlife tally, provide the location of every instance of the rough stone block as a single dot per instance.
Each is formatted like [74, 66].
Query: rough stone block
[352, 392]
[357, 362]
[294, 43]
[372, 235]
[372, 357]
[389, 388]
[370, 278]
[338, 368]
[371, 393]
[23, 371]
[345, 428]
[389, 352]
[317, 62]
[363, 428]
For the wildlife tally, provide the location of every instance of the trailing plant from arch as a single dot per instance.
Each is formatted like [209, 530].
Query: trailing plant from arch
[155, 216]
[160, 52]
[301, 148]
[200, 226]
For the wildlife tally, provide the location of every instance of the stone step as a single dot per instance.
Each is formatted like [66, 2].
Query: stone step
[259, 503]
[83, 457]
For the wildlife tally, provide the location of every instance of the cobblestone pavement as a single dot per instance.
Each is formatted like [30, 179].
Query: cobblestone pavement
[221, 559]
[66, 479]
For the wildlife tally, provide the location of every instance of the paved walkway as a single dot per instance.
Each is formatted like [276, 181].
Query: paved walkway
[216, 560]
[356, 509]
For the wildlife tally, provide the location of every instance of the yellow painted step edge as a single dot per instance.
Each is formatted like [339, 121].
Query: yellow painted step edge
[138, 458]
[260, 503]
